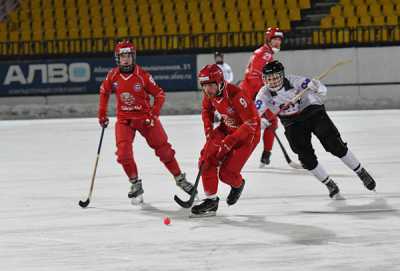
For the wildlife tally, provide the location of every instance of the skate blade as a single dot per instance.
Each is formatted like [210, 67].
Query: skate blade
[208, 214]
[137, 201]
[338, 196]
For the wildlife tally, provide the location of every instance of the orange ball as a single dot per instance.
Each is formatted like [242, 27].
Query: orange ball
[167, 220]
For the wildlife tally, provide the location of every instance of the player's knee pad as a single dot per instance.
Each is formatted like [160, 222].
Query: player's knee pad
[165, 153]
[124, 153]
[229, 177]
[335, 145]
[308, 160]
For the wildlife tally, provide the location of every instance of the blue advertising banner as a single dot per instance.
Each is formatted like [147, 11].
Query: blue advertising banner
[79, 75]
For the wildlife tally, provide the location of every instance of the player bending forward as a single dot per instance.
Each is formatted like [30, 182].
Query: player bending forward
[230, 144]
[133, 88]
[305, 117]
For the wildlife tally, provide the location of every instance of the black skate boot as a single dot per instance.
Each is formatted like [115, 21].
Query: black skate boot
[334, 192]
[136, 192]
[265, 159]
[235, 193]
[184, 184]
[207, 208]
[368, 181]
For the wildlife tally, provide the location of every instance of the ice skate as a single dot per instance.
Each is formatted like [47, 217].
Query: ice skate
[136, 192]
[234, 195]
[184, 184]
[265, 159]
[368, 181]
[207, 208]
[334, 192]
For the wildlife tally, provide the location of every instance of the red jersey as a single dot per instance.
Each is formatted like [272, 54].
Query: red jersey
[253, 74]
[132, 93]
[238, 112]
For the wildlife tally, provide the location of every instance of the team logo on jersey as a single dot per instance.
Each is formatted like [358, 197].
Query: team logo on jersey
[230, 110]
[137, 87]
[114, 85]
[127, 98]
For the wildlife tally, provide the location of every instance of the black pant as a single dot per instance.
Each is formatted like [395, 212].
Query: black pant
[299, 137]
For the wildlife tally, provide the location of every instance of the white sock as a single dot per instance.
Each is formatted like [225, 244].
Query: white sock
[320, 173]
[211, 196]
[351, 161]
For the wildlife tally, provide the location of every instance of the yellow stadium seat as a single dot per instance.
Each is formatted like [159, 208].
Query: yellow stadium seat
[122, 31]
[339, 22]
[73, 33]
[336, 11]
[345, 2]
[371, 2]
[378, 20]
[361, 11]
[352, 21]
[292, 4]
[375, 10]
[267, 5]
[348, 11]
[397, 9]
[358, 3]
[388, 9]
[392, 20]
[284, 24]
[294, 14]
[365, 20]
[326, 22]
[304, 4]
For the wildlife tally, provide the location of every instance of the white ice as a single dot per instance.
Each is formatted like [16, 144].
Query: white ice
[46, 166]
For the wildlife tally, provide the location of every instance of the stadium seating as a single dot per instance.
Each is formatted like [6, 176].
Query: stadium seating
[363, 20]
[46, 20]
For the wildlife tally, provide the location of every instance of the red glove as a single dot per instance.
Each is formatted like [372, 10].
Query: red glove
[149, 121]
[226, 146]
[103, 120]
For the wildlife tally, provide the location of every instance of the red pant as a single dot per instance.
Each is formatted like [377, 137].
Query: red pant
[229, 170]
[156, 138]
[269, 136]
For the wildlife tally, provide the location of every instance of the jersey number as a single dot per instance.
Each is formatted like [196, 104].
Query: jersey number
[243, 102]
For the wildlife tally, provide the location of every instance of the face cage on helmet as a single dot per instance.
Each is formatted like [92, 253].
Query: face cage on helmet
[274, 81]
[128, 68]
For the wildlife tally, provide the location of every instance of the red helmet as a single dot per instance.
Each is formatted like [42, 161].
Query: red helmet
[273, 32]
[211, 74]
[125, 47]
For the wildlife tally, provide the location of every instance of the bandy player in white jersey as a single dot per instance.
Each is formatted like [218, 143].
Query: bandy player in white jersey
[305, 117]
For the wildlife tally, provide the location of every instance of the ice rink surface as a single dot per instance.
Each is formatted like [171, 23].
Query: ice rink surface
[46, 166]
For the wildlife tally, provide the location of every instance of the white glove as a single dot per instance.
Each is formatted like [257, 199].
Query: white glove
[314, 85]
[265, 123]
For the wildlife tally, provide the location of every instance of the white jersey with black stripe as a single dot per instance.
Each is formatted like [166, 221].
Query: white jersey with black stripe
[293, 84]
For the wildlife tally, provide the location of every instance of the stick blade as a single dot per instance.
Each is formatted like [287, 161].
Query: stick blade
[184, 204]
[85, 203]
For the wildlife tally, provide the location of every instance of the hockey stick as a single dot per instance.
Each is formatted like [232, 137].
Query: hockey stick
[85, 203]
[319, 77]
[189, 203]
[288, 160]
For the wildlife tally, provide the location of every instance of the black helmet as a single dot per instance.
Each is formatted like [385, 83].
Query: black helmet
[273, 67]
[273, 75]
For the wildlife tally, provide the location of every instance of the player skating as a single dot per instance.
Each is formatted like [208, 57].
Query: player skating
[304, 118]
[252, 83]
[230, 144]
[133, 87]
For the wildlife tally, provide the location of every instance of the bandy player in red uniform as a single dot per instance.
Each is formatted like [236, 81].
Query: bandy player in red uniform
[253, 82]
[230, 144]
[133, 88]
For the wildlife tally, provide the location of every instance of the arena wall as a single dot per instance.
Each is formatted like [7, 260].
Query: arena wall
[370, 81]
